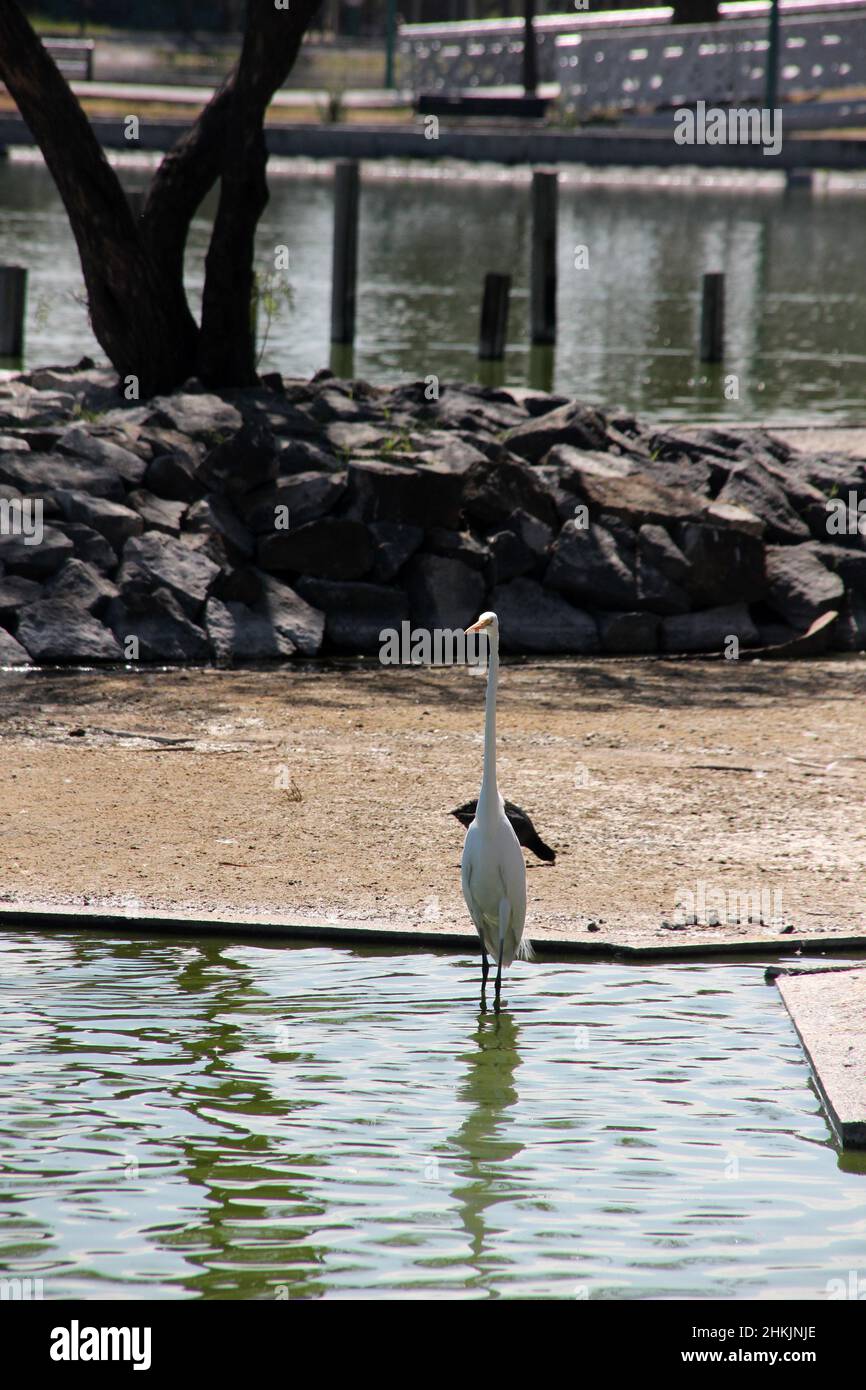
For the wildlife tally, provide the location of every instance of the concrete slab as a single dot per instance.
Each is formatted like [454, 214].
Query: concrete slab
[828, 1009]
[694, 946]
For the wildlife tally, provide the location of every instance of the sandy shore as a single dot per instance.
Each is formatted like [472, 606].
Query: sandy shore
[325, 794]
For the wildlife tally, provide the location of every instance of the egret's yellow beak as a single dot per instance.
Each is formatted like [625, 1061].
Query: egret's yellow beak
[476, 627]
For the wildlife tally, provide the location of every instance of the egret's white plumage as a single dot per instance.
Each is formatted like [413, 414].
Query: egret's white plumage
[493, 871]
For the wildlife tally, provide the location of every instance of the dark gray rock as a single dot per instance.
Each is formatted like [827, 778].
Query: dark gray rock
[285, 417]
[37, 474]
[658, 548]
[816, 639]
[629, 634]
[173, 476]
[214, 514]
[327, 549]
[800, 587]
[534, 401]
[806, 500]
[209, 544]
[81, 585]
[239, 633]
[473, 409]
[709, 630]
[291, 615]
[532, 619]
[449, 450]
[35, 561]
[532, 533]
[55, 631]
[679, 471]
[307, 496]
[656, 592]
[831, 474]
[395, 544]
[356, 615]
[751, 486]
[457, 545]
[333, 403]
[158, 561]
[113, 521]
[198, 414]
[494, 491]
[509, 557]
[15, 594]
[849, 631]
[771, 632]
[850, 565]
[345, 437]
[443, 593]
[11, 652]
[573, 465]
[155, 442]
[725, 566]
[162, 629]
[730, 515]
[157, 513]
[305, 456]
[88, 545]
[247, 461]
[590, 566]
[636, 499]
[238, 584]
[103, 453]
[699, 444]
[581, 426]
[417, 495]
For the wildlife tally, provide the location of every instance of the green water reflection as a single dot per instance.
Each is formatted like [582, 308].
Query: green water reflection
[628, 303]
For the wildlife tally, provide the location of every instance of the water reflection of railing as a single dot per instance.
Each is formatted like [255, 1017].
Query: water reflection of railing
[636, 59]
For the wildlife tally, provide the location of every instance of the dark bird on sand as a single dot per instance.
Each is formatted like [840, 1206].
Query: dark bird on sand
[520, 823]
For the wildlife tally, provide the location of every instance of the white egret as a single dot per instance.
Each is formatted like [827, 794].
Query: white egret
[492, 870]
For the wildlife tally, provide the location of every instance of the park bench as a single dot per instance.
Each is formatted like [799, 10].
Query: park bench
[74, 57]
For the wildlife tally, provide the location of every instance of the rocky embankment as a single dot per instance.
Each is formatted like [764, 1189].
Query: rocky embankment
[308, 517]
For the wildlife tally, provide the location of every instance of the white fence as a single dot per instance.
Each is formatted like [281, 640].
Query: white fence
[626, 60]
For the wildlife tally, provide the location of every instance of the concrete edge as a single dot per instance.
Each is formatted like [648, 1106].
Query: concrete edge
[851, 1134]
[545, 947]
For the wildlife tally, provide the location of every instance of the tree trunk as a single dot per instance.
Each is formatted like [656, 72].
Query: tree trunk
[227, 348]
[133, 268]
[139, 316]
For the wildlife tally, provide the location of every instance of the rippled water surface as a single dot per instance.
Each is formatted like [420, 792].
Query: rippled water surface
[215, 1120]
[628, 301]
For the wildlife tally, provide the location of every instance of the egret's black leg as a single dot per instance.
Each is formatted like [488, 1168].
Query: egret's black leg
[498, 977]
[485, 971]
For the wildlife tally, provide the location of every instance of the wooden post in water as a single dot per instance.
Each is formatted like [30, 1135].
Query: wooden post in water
[345, 263]
[494, 317]
[13, 303]
[543, 265]
[713, 317]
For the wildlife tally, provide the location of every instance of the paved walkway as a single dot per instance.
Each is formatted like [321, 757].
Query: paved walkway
[169, 94]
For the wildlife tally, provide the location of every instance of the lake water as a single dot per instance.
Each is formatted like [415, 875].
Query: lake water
[203, 1119]
[796, 295]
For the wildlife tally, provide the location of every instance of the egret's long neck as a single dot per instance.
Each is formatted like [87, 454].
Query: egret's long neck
[489, 796]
